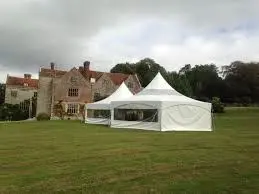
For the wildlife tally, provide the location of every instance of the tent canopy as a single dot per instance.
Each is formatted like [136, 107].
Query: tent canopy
[175, 111]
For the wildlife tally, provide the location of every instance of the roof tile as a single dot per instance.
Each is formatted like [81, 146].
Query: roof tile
[18, 81]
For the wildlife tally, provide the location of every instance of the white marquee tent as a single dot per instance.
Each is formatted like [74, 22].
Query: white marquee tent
[120, 93]
[159, 107]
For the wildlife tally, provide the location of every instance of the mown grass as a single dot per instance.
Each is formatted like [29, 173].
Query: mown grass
[70, 157]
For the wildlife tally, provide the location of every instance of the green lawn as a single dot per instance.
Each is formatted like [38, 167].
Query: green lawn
[70, 157]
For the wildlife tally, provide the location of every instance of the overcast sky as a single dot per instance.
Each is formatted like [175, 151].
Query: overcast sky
[34, 33]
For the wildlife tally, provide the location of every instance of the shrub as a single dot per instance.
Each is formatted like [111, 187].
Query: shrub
[43, 117]
[246, 101]
[217, 106]
[10, 112]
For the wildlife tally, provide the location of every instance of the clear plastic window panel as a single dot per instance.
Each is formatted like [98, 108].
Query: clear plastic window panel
[145, 115]
[98, 113]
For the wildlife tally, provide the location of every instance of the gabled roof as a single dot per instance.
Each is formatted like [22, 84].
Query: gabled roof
[91, 74]
[117, 78]
[18, 81]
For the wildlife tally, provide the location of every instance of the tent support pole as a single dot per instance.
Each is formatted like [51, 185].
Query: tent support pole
[213, 121]
[160, 118]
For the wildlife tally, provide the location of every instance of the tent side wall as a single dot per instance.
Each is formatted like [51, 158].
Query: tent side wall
[92, 120]
[135, 125]
[156, 126]
[101, 121]
[186, 117]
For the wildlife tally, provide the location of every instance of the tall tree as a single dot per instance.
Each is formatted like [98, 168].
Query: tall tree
[128, 68]
[242, 81]
[146, 69]
[204, 80]
[2, 93]
[179, 82]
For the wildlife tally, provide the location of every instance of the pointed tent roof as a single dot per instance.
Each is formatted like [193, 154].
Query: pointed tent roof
[157, 90]
[158, 86]
[121, 93]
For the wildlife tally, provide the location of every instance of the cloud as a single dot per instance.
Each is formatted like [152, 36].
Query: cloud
[173, 32]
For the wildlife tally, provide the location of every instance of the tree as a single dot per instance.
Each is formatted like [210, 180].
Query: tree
[185, 69]
[239, 82]
[204, 80]
[2, 93]
[12, 112]
[217, 106]
[127, 68]
[242, 82]
[146, 69]
[179, 83]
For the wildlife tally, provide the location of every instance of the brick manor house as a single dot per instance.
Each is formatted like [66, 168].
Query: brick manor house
[67, 89]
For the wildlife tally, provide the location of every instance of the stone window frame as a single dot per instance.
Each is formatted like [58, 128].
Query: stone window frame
[24, 105]
[73, 92]
[35, 94]
[72, 108]
[14, 93]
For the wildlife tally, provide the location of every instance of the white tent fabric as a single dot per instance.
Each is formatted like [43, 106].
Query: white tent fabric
[120, 93]
[175, 112]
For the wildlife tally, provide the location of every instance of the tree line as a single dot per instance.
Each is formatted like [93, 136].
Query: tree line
[237, 83]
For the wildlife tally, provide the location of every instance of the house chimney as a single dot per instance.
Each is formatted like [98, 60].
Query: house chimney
[52, 66]
[27, 76]
[86, 65]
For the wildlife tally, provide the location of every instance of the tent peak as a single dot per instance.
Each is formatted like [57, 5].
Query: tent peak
[158, 86]
[159, 83]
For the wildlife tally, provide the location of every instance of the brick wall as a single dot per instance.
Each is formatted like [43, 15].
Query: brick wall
[73, 80]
